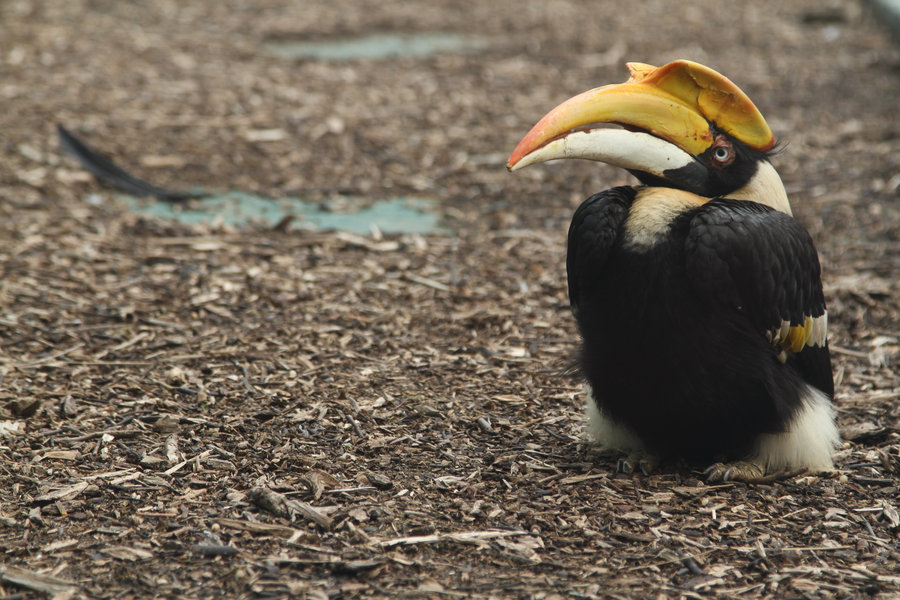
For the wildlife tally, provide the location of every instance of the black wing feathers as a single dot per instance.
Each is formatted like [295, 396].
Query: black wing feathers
[596, 226]
[762, 261]
[751, 258]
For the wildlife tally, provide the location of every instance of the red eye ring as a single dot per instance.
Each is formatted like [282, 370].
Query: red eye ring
[722, 152]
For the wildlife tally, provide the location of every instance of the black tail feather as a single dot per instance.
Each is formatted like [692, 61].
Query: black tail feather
[109, 172]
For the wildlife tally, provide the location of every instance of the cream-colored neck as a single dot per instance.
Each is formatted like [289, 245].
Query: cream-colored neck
[652, 213]
[765, 187]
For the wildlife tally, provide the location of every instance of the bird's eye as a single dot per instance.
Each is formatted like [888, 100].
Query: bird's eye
[722, 152]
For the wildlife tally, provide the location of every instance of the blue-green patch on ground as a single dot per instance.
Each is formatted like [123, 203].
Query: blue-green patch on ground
[393, 215]
[377, 46]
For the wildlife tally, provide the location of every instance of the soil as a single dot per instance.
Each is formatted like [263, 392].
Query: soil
[213, 411]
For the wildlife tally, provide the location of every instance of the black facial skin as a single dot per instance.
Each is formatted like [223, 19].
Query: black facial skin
[725, 166]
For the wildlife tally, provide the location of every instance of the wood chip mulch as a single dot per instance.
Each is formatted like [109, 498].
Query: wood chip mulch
[205, 411]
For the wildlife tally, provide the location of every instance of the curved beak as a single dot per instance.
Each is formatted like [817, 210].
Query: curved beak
[680, 104]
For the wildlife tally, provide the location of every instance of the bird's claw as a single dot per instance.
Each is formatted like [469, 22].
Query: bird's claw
[734, 471]
[630, 463]
[746, 471]
[624, 465]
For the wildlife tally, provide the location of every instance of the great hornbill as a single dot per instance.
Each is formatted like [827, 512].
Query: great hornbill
[697, 295]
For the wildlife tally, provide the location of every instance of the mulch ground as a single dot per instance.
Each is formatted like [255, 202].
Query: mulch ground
[217, 412]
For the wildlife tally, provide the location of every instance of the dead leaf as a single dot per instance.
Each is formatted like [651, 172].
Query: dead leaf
[34, 581]
[127, 553]
[318, 482]
[60, 455]
[66, 493]
[890, 513]
[11, 428]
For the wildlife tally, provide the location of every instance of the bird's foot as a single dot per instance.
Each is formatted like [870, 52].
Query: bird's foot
[746, 471]
[734, 471]
[633, 462]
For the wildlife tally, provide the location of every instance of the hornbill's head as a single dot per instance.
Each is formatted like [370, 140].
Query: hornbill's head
[685, 126]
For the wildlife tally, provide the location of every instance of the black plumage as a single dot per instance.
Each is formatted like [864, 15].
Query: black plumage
[677, 334]
[698, 297]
